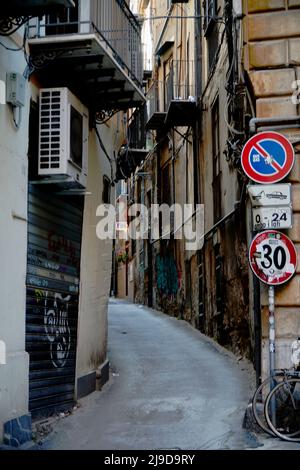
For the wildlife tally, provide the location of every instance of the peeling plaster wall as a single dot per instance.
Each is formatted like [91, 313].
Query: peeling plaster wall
[230, 322]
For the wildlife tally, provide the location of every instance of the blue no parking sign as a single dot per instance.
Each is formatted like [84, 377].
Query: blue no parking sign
[267, 157]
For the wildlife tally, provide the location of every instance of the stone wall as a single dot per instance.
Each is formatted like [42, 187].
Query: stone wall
[272, 61]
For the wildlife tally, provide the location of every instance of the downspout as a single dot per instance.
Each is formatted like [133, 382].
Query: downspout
[173, 171]
[274, 123]
[198, 91]
[198, 50]
[142, 241]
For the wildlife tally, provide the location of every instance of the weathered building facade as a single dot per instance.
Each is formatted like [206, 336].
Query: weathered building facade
[69, 78]
[189, 165]
[222, 71]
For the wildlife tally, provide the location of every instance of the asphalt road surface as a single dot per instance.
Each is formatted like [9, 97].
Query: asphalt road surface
[170, 388]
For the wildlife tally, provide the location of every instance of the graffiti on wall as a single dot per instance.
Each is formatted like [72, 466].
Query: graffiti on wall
[59, 244]
[167, 275]
[57, 328]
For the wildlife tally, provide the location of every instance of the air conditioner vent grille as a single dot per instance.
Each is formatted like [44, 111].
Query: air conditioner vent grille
[50, 124]
[63, 138]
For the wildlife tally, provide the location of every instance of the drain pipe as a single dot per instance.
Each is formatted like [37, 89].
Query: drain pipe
[274, 123]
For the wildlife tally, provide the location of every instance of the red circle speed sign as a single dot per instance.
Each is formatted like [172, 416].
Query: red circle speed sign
[267, 157]
[272, 257]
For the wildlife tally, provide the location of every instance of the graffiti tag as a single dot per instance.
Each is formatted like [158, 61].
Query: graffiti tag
[167, 275]
[60, 244]
[57, 328]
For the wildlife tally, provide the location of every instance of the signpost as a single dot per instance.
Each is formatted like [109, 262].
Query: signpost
[273, 257]
[271, 217]
[267, 157]
[270, 195]
[272, 207]
[273, 260]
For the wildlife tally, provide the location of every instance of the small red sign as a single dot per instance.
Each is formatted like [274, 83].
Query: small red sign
[267, 157]
[273, 257]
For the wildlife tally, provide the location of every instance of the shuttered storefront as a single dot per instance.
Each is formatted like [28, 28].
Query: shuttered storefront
[53, 266]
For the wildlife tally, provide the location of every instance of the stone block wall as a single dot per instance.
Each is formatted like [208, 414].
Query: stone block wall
[272, 60]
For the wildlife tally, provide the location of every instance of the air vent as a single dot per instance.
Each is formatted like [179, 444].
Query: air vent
[63, 135]
[51, 145]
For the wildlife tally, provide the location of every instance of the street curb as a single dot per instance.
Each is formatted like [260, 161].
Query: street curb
[249, 422]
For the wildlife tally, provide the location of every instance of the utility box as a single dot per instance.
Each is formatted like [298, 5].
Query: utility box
[15, 89]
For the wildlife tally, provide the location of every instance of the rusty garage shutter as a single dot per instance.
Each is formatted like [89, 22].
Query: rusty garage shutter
[53, 266]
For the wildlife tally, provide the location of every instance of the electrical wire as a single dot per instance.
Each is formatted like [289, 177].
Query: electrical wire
[10, 48]
[17, 123]
[178, 17]
[230, 127]
[17, 49]
[104, 151]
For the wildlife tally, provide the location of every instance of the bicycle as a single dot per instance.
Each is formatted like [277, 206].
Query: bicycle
[282, 408]
[273, 397]
[260, 395]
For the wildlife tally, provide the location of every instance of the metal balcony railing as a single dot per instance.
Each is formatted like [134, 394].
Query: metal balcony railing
[137, 134]
[153, 98]
[113, 23]
[179, 84]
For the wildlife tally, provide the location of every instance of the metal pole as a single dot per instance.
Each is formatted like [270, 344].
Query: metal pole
[257, 329]
[272, 346]
[271, 329]
[142, 251]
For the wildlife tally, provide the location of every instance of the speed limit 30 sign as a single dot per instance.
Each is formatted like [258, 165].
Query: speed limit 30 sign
[272, 257]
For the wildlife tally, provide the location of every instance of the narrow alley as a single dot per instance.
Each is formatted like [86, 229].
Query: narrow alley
[150, 225]
[171, 388]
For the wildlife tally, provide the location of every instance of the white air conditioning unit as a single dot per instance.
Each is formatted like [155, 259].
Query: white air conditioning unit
[63, 138]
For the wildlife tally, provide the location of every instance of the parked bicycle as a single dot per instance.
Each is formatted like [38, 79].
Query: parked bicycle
[282, 409]
[276, 402]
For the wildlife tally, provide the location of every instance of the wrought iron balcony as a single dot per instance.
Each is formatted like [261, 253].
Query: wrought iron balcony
[156, 109]
[137, 129]
[17, 8]
[15, 13]
[137, 147]
[180, 100]
[172, 102]
[94, 49]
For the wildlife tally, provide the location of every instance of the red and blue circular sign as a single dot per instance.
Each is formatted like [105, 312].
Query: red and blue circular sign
[267, 157]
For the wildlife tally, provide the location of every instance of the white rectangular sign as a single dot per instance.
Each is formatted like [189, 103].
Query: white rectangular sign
[121, 226]
[270, 194]
[271, 218]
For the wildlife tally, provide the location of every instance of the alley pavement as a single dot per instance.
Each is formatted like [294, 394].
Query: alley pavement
[170, 388]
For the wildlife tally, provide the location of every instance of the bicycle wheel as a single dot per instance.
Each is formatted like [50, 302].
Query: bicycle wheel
[259, 399]
[282, 410]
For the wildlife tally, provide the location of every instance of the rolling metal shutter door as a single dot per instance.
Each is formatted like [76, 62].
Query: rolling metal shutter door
[53, 267]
